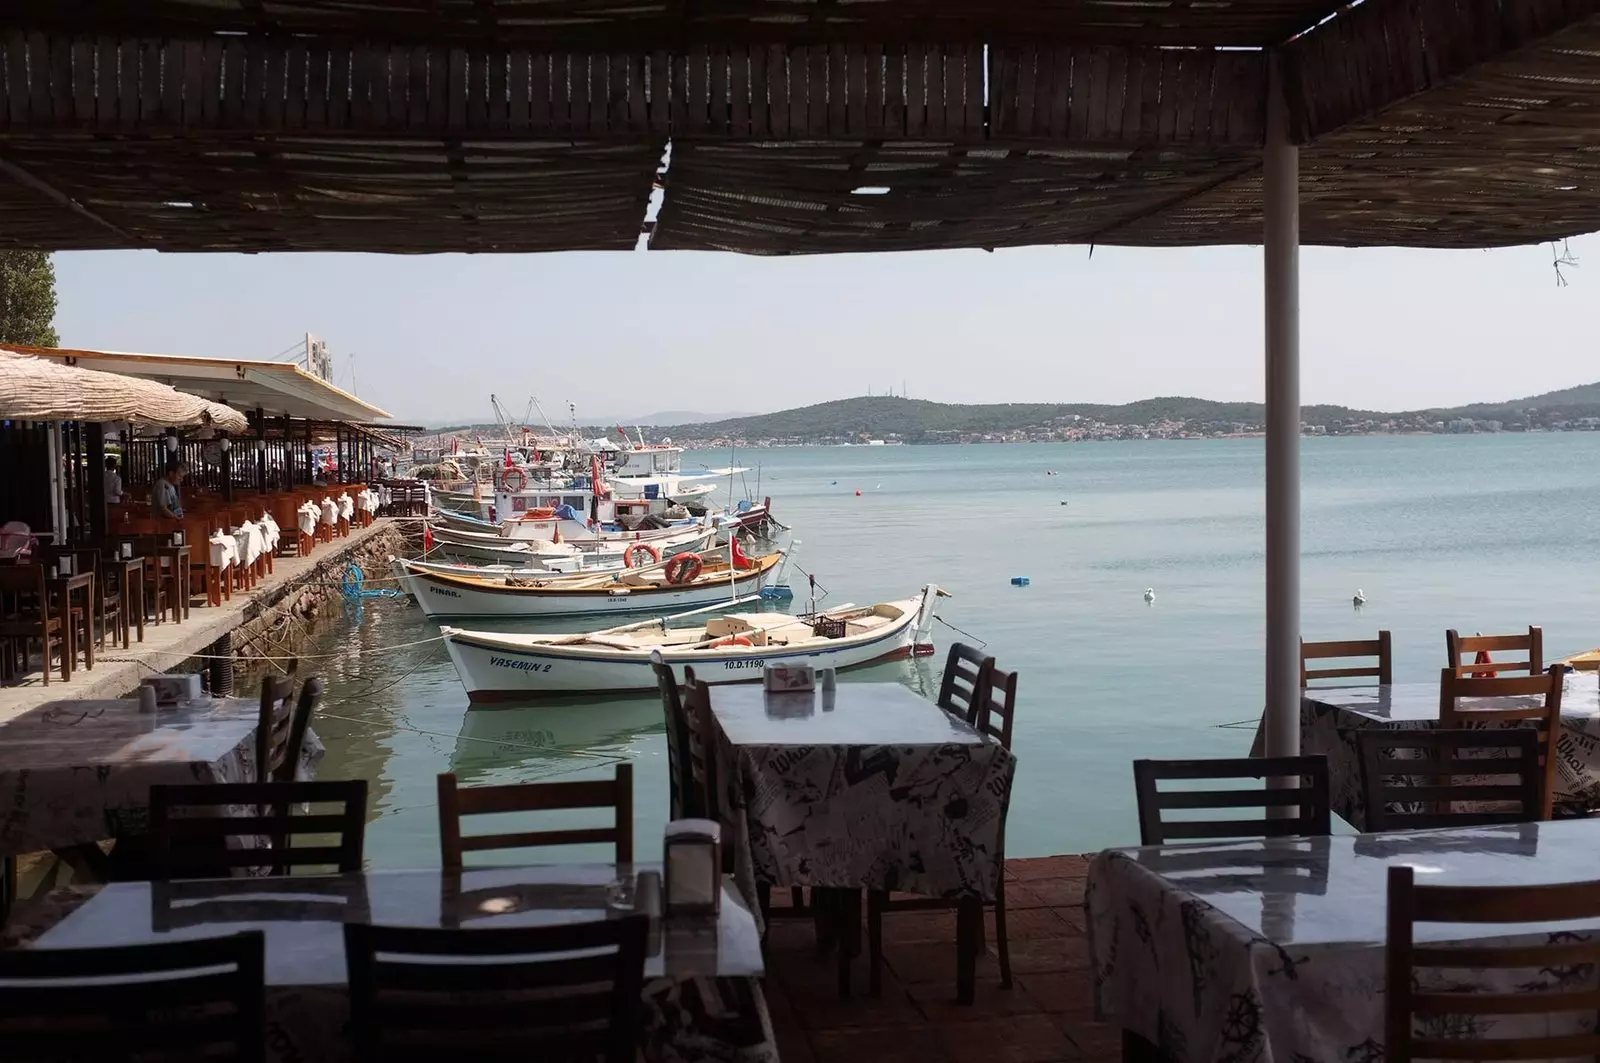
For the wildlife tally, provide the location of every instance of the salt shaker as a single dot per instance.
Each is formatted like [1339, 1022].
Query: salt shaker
[147, 699]
[830, 678]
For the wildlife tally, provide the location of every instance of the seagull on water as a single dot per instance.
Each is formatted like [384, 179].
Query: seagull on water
[1149, 595]
[1360, 598]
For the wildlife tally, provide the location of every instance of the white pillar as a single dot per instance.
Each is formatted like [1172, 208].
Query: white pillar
[1281, 246]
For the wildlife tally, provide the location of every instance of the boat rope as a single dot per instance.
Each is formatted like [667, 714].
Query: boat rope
[968, 634]
[354, 589]
[1240, 724]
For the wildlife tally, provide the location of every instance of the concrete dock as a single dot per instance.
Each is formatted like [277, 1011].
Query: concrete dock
[166, 645]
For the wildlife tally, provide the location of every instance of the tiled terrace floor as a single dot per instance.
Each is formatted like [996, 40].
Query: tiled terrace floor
[1047, 1015]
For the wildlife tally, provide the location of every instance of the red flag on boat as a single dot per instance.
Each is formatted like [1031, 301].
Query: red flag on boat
[508, 457]
[600, 488]
[1482, 657]
[427, 538]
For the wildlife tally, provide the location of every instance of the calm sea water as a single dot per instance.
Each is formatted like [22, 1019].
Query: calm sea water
[1473, 532]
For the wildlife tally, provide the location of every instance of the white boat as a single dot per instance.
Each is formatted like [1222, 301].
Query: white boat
[734, 648]
[588, 562]
[627, 591]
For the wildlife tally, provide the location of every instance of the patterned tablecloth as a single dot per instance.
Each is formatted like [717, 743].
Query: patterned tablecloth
[1332, 717]
[1261, 951]
[868, 786]
[75, 772]
[703, 1000]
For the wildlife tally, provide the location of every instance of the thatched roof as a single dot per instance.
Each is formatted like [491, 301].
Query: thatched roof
[35, 389]
[527, 125]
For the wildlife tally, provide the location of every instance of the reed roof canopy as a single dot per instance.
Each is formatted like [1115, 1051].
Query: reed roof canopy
[37, 389]
[796, 126]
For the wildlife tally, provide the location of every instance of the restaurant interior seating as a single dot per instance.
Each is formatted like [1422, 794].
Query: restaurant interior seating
[1482, 646]
[202, 998]
[1381, 668]
[1309, 800]
[457, 801]
[1473, 1022]
[961, 687]
[996, 703]
[1422, 779]
[193, 844]
[564, 992]
[1542, 710]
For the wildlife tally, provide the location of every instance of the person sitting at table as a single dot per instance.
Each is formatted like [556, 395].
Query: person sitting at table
[164, 501]
[113, 481]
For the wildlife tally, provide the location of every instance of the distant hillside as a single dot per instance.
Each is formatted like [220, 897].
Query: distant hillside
[915, 419]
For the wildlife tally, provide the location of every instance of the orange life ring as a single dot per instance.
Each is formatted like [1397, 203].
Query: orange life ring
[684, 568]
[505, 479]
[641, 548]
[733, 640]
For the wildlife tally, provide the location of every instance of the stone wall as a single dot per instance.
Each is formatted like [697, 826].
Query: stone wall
[290, 613]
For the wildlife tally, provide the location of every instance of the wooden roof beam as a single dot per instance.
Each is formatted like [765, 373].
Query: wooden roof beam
[60, 198]
[1386, 53]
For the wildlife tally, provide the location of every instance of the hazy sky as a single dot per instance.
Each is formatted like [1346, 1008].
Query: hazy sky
[633, 333]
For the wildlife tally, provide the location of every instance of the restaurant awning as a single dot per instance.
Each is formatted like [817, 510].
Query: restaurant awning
[37, 389]
[278, 389]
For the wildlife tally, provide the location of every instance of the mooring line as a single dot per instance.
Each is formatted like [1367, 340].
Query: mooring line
[300, 657]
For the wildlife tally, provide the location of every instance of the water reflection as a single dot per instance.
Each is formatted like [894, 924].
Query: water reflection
[550, 731]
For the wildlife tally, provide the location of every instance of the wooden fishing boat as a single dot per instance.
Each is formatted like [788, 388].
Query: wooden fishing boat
[735, 648]
[658, 587]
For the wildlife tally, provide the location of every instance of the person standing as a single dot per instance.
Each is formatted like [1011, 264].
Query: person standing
[164, 504]
[113, 481]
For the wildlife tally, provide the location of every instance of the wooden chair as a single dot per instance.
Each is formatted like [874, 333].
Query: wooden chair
[1380, 647]
[171, 1000]
[1458, 646]
[1392, 785]
[1533, 993]
[566, 992]
[995, 719]
[685, 800]
[455, 802]
[310, 701]
[196, 845]
[25, 616]
[965, 673]
[1542, 708]
[1309, 799]
[273, 725]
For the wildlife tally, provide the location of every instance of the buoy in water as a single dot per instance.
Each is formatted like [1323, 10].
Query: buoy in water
[1359, 599]
[1020, 581]
[1063, 501]
[1149, 595]
[834, 483]
[858, 492]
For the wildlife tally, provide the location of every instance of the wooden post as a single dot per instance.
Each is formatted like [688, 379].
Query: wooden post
[96, 462]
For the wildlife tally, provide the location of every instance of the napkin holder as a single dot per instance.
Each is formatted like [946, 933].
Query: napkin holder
[173, 689]
[692, 859]
[788, 678]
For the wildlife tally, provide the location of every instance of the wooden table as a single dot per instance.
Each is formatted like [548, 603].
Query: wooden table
[701, 973]
[176, 560]
[131, 581]
[1274, 948]
[61, 589]
[75, 772]
[868, 786]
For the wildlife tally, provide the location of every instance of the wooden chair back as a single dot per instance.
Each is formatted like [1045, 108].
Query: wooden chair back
[1459, 646]
[1309, 798]
[700, 766]
[677, 735]
[195, 999]
[565, 992]
[1381, 669]
[1409, 777]
[966, 673]
[194, 843]
[304, 709]
[999, 706]
[1540, 706]
[273, 726]
[457, 801]
[1529, 972]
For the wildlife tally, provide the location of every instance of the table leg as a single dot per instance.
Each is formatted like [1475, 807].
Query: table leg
[849, 916]
[70, 641]
[184, 577]
[91, 616]
[138, 591]
[969, 930]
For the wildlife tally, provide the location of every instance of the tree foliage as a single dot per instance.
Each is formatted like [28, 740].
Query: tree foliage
[27, 298]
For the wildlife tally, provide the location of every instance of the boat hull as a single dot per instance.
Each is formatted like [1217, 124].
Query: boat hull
[444, 598]
[500, 673]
